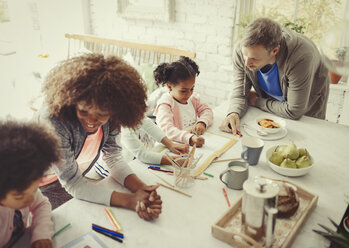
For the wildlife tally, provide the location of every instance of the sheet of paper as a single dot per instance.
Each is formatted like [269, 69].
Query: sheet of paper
[88, 240]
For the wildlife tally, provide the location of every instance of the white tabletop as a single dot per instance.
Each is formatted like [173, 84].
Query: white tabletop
[186, 222]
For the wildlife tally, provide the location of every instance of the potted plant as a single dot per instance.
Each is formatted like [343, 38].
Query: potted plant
[340, 56]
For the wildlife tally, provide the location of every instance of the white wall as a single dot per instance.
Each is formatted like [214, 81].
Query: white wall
[204, 27]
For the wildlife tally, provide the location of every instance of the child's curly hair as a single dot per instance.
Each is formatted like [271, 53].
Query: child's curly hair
[107, 82]
[179, 70]
[27, 150]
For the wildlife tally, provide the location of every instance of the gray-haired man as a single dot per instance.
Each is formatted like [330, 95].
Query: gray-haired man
[284, 68]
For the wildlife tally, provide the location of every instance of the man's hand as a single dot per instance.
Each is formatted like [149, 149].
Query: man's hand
[252, 98]
[231, 123]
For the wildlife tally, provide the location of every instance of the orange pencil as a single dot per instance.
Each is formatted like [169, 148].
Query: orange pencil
[111, 220]
[226, 196]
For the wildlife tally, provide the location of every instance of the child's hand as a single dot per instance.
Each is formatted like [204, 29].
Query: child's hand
[42, 243]
[199, 141]
[179, 148]
[199, 128]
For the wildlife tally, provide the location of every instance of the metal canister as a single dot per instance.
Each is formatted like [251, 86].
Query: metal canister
[259, 209]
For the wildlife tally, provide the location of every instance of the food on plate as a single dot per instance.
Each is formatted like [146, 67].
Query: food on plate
[268, 123]
[290, 156]
[288, 201]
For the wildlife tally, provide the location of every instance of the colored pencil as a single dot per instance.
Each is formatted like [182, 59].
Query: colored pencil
[107, 234]
[167, 171]
[155, 167]
[116, 233]
[176, 190]
[113, 219]
[195, 133]
[60, 230]
[208, 174]
[226, 197]
[238, 134]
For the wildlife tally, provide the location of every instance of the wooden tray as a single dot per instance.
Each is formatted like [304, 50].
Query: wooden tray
[228, 227]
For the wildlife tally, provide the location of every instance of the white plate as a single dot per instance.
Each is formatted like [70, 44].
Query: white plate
[273, 136]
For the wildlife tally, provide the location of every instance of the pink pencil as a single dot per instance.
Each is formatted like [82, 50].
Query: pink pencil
[226, 196]
[111, 220]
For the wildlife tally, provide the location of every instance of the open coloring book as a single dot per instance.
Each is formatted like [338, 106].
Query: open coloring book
[215, 145]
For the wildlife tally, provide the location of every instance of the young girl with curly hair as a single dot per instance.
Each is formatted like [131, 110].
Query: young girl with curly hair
[88, 98]
[180, 110]
[27, 150]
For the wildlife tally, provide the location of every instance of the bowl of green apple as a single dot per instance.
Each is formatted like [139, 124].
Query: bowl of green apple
[288, 160]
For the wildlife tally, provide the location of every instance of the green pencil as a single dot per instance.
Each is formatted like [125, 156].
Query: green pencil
[60, 230]
[196, 133]
[208, 174]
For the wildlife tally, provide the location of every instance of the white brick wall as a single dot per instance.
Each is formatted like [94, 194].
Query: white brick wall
[204, 27]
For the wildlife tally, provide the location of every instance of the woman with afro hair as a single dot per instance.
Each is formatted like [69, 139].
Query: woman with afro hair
[87, 100]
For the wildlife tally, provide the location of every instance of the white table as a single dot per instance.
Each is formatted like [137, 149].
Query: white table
[186, 222]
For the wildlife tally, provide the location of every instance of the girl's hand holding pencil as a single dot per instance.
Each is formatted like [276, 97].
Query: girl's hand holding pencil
[199, 128]
[198, 140]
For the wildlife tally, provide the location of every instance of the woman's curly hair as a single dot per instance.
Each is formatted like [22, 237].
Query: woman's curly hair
[27, 150]
[179, 70]
[108, 82]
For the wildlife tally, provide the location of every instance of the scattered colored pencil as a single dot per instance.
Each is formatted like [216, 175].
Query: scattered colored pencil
[155, 167]
[167, 171]
[238, 134]
[107, 234]
[116, 233]
[113, 219]
[60, 230]
[226, 197]
[208, 174]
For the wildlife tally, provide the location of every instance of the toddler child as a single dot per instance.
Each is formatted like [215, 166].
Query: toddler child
[181, 110]
[26, 151]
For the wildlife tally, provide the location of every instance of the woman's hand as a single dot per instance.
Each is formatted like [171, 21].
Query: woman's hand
[42, 243]
[150, 208]
[199, 128]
